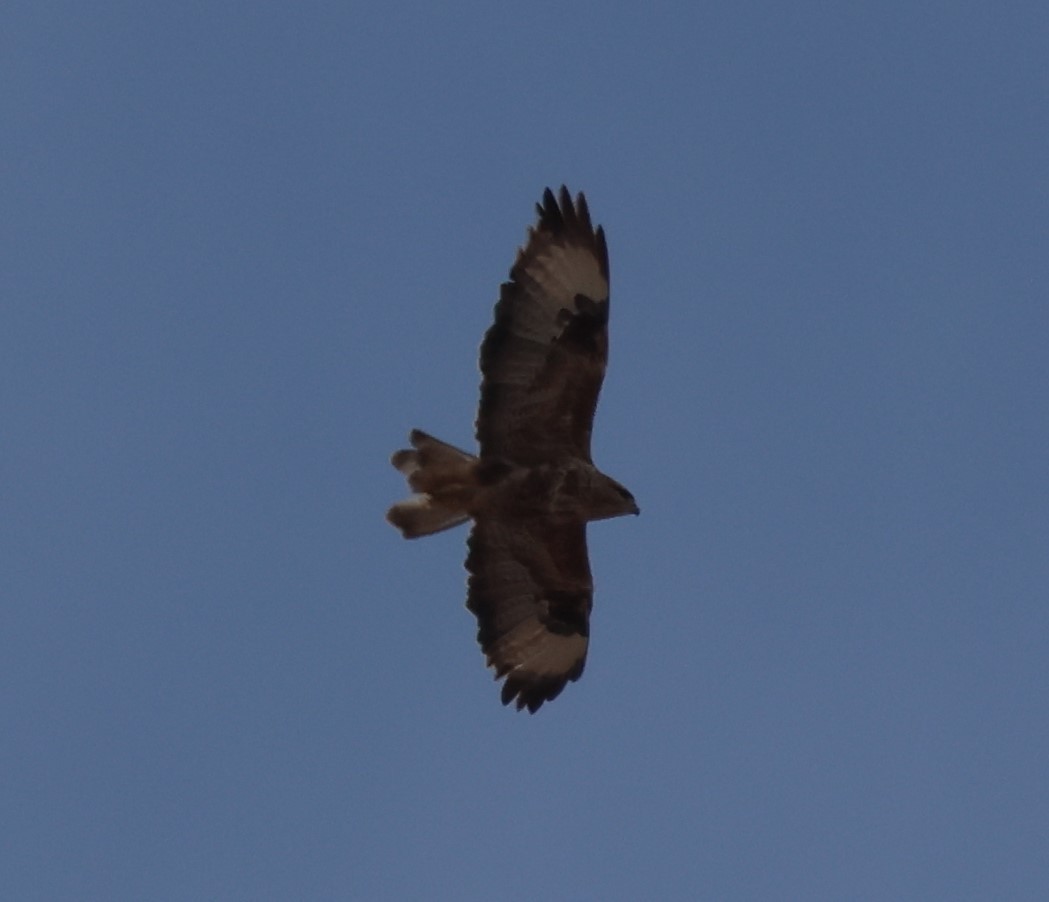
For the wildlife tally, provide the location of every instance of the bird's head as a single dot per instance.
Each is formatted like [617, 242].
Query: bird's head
[610, 499]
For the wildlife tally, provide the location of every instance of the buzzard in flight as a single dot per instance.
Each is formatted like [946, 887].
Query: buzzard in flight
[532, 488]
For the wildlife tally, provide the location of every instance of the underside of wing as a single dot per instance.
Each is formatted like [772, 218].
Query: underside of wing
[531, 590]
[544, 357]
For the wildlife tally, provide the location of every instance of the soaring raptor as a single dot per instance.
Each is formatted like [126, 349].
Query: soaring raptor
[532, 488]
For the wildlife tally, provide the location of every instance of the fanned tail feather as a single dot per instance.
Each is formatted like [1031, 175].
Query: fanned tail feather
[443, 478]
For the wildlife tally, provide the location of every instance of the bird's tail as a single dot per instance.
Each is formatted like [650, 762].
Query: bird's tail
[443, 478]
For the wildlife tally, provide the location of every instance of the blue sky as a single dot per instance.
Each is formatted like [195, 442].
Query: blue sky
[247, 247]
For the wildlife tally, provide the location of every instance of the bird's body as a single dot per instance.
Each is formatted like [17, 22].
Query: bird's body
[532, 488]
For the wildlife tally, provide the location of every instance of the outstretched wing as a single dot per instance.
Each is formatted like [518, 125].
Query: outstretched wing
[544, 357]
[531, 590]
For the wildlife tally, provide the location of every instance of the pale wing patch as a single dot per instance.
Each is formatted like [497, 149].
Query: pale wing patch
[530, 647]
[551, 281]
[514, 646]
[553, 655]
[568, 271]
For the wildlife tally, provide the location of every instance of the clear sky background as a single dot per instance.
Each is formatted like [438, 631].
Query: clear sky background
[247, 246]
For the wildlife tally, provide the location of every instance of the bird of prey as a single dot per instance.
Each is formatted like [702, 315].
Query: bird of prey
[532, 488]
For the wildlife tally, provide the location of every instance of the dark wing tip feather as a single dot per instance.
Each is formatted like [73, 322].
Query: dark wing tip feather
[583, 212]
[550, 217]
[530, 690]
[568, 213]
[601, 247]
[560, 215]
[532, 694]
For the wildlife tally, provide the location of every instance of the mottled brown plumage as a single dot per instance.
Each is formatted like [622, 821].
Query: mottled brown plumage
[533, 487]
